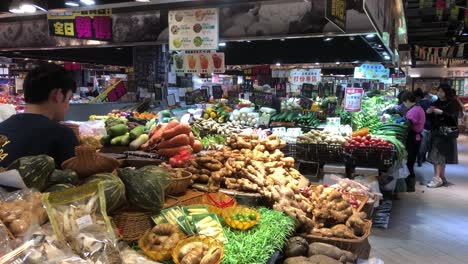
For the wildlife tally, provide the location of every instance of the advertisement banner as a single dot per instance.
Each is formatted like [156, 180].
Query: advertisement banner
[353, 99]
[89, 24]
[300, 76]
[371, 72]
[196, 29]
[336, 13]
[204, 63]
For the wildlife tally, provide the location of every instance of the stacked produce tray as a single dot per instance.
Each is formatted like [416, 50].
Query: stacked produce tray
[325, 153]
[373, 157]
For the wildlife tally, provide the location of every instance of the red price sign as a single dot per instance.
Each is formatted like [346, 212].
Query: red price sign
[353, 99]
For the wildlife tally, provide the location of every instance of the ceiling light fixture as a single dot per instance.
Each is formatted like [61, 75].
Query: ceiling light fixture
[278, 64]
[328, 39]
[337, 62]
[88, 2]
[72, 3]
[317, 63]
[143, 1]
[222, 44]
[386, 57]
[28, 8]
[465, 34]
[49, 61]
[369, 36]
[283, 39]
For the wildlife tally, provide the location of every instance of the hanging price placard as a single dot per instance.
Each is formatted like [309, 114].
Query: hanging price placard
[353, 99]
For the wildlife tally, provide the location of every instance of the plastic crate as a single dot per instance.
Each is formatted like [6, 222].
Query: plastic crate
[325, 153]
[372, 157]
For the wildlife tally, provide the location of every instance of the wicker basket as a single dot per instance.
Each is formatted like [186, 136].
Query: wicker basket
[359, 246]
[132, 224]
[179, 186]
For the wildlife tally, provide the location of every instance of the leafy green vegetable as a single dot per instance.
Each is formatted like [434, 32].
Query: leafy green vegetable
[371, 113]
[257, 245]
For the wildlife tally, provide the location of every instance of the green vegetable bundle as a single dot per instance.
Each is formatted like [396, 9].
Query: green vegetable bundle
[258, 244]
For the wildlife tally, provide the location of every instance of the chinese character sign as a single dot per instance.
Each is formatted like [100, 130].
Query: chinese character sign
[300, 76]
[371, 72]
[336, 13]
[353, 99]
[90, 24]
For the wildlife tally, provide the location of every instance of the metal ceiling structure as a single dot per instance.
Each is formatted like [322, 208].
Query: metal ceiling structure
[427, 27]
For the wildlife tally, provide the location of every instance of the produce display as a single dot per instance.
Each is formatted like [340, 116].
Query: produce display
[215, 142]
[170, 139]
[371, 113]
[114, 190]
[158, 242]
[210, 127]
[198, 250]
[245, 118]
[219, 112]
[209, 225]
[354, 187]
[34, 170]
[308, 120]
[321, 137]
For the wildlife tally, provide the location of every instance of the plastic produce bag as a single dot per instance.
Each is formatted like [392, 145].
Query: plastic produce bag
[96, 128]
[5, 246]
[22, 211]
[77, 221]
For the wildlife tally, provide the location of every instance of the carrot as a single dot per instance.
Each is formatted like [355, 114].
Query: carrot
[192, 139]
[156, 137]
[177, 141]
[197, 146]
[145, 146]
[179, 129]
[171, 152]
[172, 124]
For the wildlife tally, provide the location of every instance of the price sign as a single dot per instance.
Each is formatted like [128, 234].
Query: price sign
[217, 91]
[305, 103]
[233, 97]
[353, 99]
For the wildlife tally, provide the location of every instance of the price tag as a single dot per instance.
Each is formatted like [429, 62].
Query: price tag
[353, 99]
[84, 221]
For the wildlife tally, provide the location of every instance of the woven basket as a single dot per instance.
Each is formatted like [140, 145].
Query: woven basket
[132, 224]
[179, 186]
[359, 246]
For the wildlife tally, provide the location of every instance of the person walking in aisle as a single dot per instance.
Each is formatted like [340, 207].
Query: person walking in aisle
[443, 115]
[415, 119]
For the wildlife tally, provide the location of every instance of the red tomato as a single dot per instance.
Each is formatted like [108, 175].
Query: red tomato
[368, 137]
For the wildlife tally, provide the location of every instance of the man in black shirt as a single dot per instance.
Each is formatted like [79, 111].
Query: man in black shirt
[47, 92]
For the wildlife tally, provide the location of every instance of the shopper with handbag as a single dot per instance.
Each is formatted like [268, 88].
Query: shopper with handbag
[444, 120]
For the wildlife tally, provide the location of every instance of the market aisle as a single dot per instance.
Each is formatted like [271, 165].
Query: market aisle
[430, 225]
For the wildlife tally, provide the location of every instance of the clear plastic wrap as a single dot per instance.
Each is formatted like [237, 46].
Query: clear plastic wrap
[78, 221]
[22, 211]
[4, 240]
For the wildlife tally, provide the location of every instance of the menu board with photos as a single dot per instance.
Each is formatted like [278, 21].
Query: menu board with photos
[196, 29]
[202, 63]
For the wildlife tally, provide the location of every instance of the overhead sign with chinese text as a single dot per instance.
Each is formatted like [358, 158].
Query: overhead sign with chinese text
[300, 76]
[336, 13]
[353, 99]
[89, 24]
[371, 72]
[196, 29]
[200, 63]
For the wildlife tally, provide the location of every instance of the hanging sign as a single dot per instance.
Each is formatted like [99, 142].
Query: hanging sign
[336, 13]
[262, 99]
[371, 72]
[196, 29]
[307, 90]
[204, 63]
[89, 24]
[300, 76]
[217, 91]
[353, 99]
[281, 90]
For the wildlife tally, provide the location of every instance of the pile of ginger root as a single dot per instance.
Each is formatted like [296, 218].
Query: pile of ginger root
[258, 165]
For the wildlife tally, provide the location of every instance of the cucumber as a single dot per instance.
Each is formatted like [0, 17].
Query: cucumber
[125, 140]
[136, 132]
[136, 144]
[118, 130]
[117, 140]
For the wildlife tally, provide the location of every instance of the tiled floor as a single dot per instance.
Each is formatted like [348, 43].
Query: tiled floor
[430, 225]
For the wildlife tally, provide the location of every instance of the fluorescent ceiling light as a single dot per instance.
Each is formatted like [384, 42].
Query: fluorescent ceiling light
[278, 64]
[465, 34]
[28, 8]
[317, 63]
[143, 1]
[71, 3]
[16, 10]
[328, 39]
[222, 44]
[415, 75]
[386, 57]
[369, 36]
[88, 2]
[337, 63]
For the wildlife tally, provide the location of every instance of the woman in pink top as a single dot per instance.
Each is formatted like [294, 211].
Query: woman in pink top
[415, 118]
